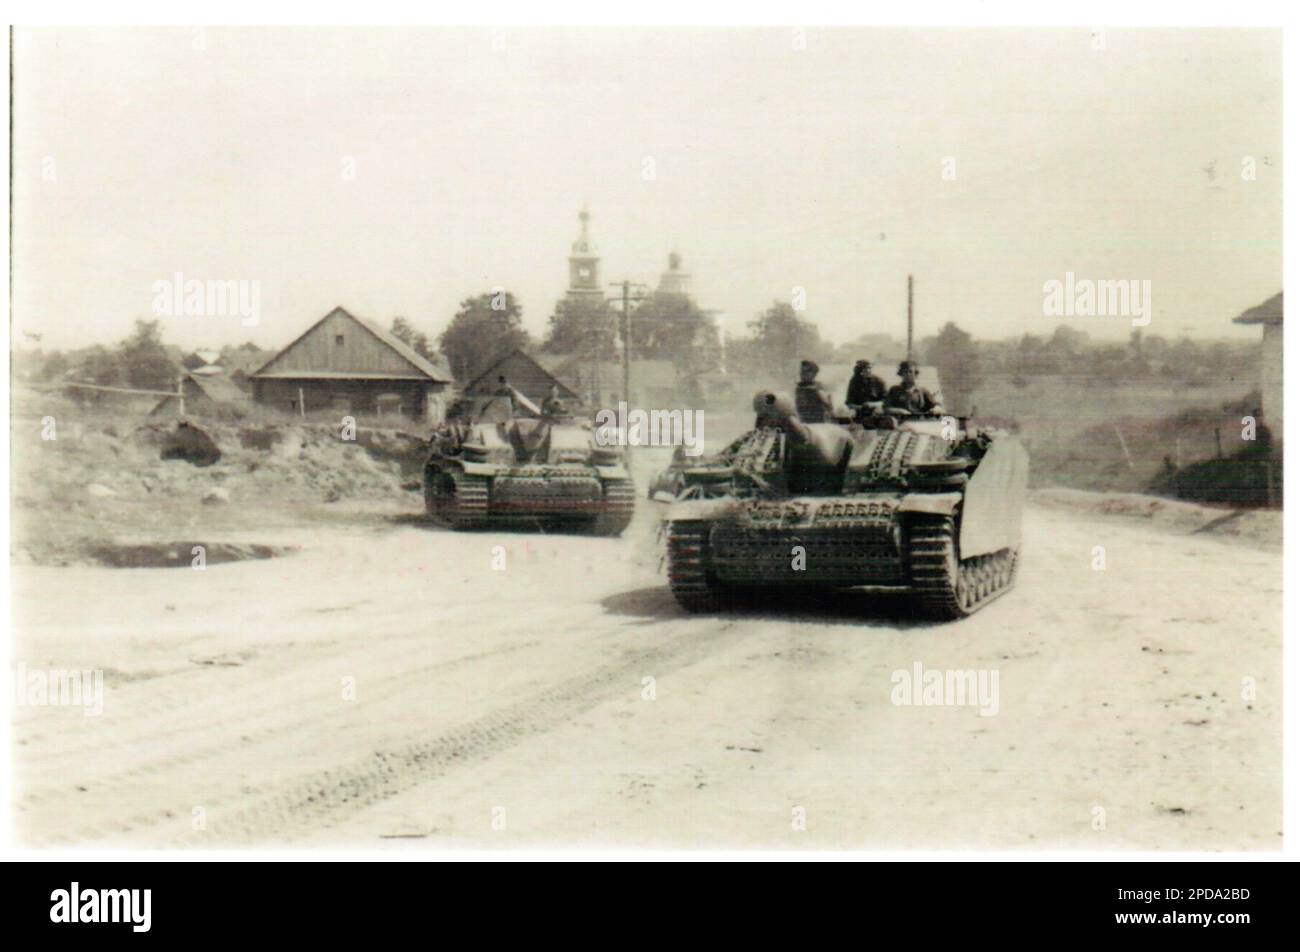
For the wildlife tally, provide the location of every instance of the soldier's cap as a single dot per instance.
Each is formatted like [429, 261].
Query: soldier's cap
[808, 365]
[908, 365]
[860, 364]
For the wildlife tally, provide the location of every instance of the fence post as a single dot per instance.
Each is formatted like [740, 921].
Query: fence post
[180, 395]
[1123, 445]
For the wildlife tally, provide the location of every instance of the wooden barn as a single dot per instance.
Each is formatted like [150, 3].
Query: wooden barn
[654, 382]
[1269, 316]
[206, 394]
[524, 374]
[344, 364]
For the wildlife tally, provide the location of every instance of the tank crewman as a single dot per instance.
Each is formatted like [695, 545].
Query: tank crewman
[553, 405]
[865, 387]
[811, 398]
[907, 395]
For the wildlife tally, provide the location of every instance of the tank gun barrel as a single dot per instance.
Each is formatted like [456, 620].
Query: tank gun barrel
[778, 410]
[812, 446]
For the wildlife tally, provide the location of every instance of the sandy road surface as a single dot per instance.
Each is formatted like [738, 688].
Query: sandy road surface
[510, 708]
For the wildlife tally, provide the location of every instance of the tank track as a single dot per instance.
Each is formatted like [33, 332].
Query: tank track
[617, 508]
[464, 507]
[689, 576]
[946, 588]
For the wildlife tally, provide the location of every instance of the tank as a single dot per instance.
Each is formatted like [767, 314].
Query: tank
[922, 506]
[500, 465]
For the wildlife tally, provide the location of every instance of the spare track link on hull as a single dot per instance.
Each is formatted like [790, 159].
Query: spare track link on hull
[946, 589]
[689, 577]
[455, 499]
[616, 508]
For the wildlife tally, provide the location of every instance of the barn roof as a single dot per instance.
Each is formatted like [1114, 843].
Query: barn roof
[337, 375]
[1270, 312]
[218, 387]
[515, 354]
[435, 370]
[245, 359]
[645, 372]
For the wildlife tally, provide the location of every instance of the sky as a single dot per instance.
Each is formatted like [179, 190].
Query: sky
[399, 171]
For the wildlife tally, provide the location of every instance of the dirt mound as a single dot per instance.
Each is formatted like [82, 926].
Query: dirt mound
[101, 477]
[1259, 527]
[184, 463]
[191, 444]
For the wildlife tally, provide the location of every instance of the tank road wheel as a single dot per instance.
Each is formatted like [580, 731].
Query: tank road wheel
[455, 499]
[948, 587]
[689, 578]
[616, 508]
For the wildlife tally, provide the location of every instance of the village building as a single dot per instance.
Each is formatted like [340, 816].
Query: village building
[207, 394]
[198, 359]
[653, 383]
[525, 374]
[344, 364]
[239, 362]
[599, 384]
[1269, 316]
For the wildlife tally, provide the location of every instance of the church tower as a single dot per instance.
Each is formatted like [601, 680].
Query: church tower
[674, 280]
[584, 267]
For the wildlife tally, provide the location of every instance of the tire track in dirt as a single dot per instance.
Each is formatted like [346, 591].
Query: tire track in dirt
[234, 737]
[326, 799]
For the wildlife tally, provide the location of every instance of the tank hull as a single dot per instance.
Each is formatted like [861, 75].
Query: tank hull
[465, 496]
[910, 517]
[526, 473]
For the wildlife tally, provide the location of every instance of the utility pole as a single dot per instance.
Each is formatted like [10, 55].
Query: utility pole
[909, 317]
[632, 292]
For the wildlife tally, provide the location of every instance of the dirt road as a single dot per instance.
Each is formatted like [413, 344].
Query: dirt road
[390, 686]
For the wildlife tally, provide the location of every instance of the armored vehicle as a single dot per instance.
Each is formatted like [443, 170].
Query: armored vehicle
[925, 506]
[504, 462]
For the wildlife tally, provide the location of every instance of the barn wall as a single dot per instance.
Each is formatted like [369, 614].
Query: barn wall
[524, 375]
[1270, 382]
[321, 395]
[360, 351]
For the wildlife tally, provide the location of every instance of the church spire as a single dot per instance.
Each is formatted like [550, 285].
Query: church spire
[583, 244]
[584, 264]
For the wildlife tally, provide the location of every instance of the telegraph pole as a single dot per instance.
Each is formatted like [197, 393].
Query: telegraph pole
[632, 292]
[909, 317]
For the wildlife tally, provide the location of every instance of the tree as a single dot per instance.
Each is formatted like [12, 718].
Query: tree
[582, 326]
[1109, 362]
[145, 360]
[954, 355]
[1032, 355]
[672, 327]
[55, 366]
[412, 338]
[484, 330]
[781, 340]
[100, 367]
[1067, 344]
